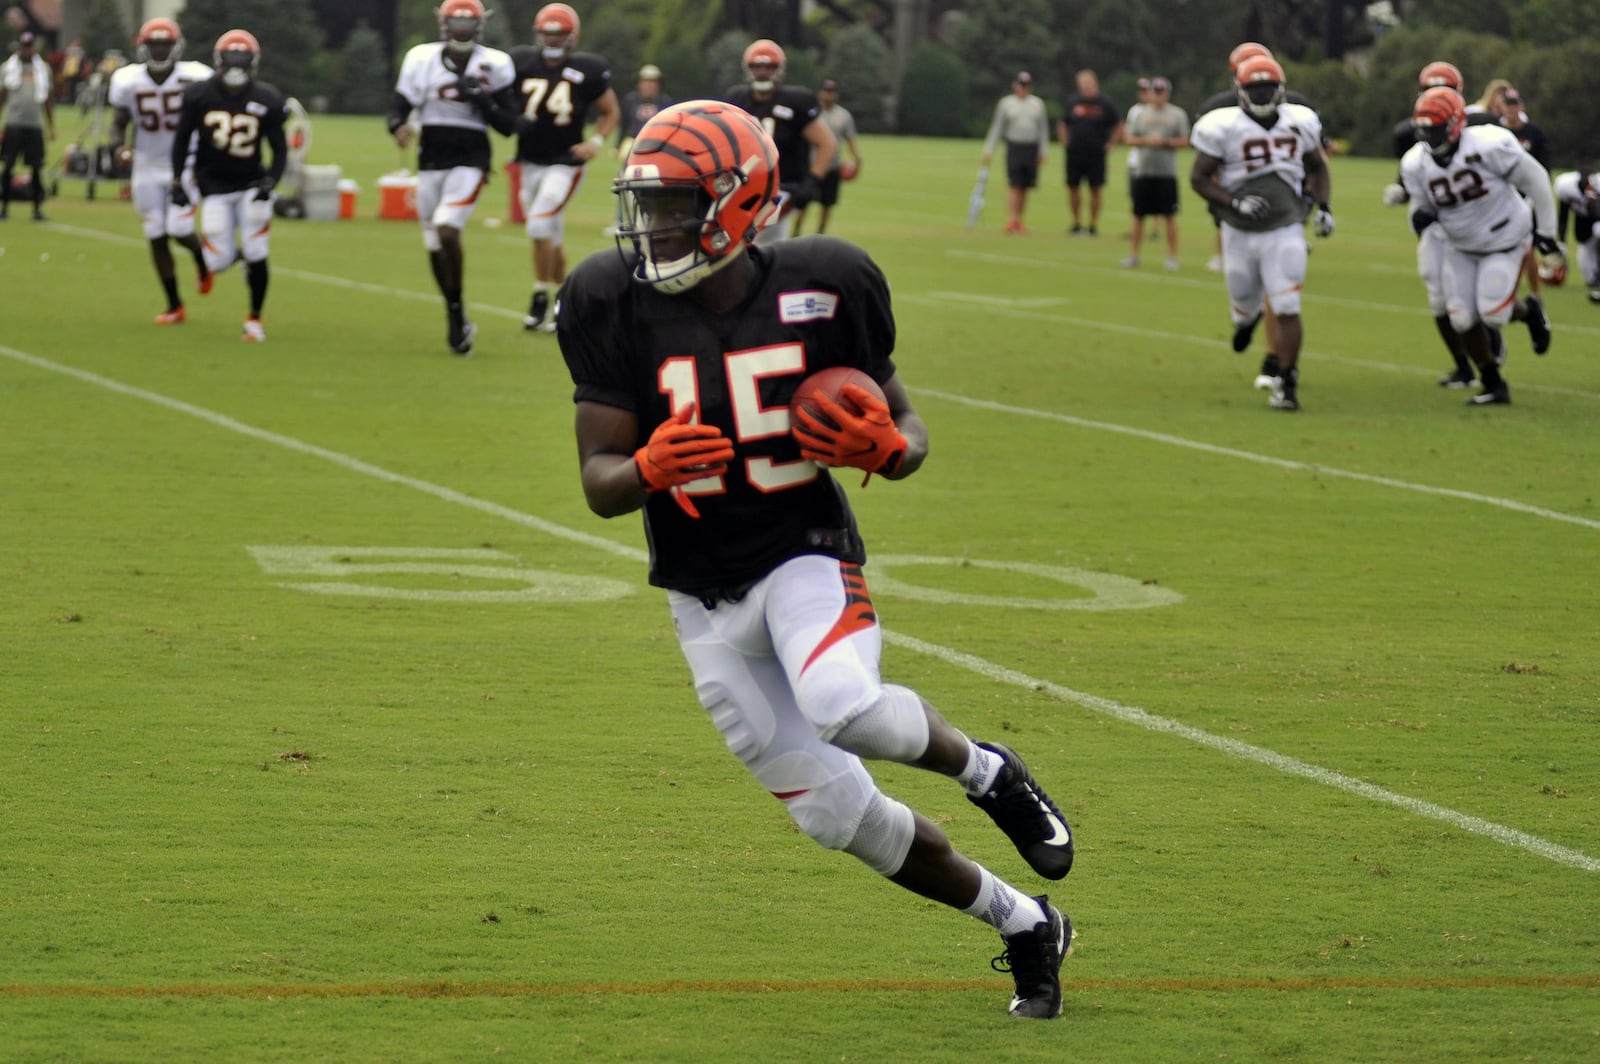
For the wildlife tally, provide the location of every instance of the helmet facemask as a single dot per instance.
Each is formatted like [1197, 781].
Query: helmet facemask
[160, 53]
[461, 33]
[1261, 98]
[673, 226]
[238, 67]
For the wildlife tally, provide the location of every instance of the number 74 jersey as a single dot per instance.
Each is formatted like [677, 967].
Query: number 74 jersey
[1475, 192]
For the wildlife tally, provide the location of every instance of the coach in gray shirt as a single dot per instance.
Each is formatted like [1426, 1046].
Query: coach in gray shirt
[1019, 120]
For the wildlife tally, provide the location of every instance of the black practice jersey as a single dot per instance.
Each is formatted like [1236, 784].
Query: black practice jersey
[784, 115]
[555, 101]
[817, 302]
[229, 129]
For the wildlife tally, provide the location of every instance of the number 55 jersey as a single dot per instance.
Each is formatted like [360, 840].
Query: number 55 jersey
[153, 108]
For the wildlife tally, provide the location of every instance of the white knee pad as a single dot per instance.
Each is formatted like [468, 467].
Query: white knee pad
[894, 728]
[884, 837]
[829, 811]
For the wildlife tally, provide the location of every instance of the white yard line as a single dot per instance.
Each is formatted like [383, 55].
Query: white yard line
[1129, 714]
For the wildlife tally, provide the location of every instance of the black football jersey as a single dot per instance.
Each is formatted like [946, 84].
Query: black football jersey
[817, 302]
[785, 116]
[557, 99]
[229, 129]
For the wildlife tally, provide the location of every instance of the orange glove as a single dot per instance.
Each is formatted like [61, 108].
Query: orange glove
[679, 451]
[868, 441]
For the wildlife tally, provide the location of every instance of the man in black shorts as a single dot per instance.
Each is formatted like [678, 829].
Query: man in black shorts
[1088, 127]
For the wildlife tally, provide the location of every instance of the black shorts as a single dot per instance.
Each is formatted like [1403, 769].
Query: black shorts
[1087, 166]
[828, 189]
[1154, 196]
[25, 141]
[1022, 165]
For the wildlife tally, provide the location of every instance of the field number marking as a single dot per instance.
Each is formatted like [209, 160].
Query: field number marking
[1109, 592]
[476, 565]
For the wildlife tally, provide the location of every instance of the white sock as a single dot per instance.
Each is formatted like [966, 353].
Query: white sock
[1004, 907]
[983, 767]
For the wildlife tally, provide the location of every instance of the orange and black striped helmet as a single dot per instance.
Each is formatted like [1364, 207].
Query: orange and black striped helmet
[1247, 50]
[1441, 73]
[1260, 81]
[724, 161]
[1439, 116]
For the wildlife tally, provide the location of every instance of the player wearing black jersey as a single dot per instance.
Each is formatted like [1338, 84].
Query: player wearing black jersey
[448, 88]
[685, 350]
[555, 90]
[792, 117]
[229, 117]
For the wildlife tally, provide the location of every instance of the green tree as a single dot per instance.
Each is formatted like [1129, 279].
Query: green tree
[104, 29]
[363, 84]
[290, 39]
[934, 96]
[860, 61]
[999, 38]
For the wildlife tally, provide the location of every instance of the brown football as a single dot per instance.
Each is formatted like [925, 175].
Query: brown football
[831, 382]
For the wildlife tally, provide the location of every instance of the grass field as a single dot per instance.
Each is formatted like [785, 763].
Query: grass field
[337, 728]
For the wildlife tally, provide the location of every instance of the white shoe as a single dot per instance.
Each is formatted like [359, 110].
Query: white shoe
[253, 332]
[1131, 262]
[546, 326]
[1267, 383]
[1172, 263]
[1214, 264]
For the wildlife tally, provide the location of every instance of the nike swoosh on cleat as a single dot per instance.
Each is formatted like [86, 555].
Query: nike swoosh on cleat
[1061, 836]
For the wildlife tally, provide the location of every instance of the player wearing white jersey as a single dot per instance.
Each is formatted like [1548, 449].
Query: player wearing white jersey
[148, 96]
[1578, 200]
[1261, 165]
[1490, 198]
[445, 87]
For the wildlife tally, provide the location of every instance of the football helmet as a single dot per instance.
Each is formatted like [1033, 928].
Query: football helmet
[1439, 116]
[461, 25]
[1247, 50]
[1260, 81]
[764, 62]
[556, 26]
[160, 44]
[237, 57]
[1440, 73]
[696, 187]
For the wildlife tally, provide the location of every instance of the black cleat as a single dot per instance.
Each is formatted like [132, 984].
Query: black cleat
[1021, 809]
[1594, 296]
[461, 340]
[537, 310]
[1034, 960]
[1460, 378]
[1242, 333]
[1538, 326]
[1500, 396]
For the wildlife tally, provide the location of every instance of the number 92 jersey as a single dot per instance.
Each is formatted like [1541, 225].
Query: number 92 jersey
[555, 100]
[229, 130]
[817, 302]
[1478, 207]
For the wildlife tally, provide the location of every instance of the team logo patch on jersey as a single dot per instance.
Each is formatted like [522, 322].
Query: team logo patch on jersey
[573, 75]
[255, 108]
[782, 111]
[796, 307]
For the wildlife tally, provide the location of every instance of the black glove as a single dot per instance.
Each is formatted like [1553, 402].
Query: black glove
[263, 189]
[470, 90]
[1546, 245]
[805, 192]
[177, 195]
[1421, 218]
[1252, 206]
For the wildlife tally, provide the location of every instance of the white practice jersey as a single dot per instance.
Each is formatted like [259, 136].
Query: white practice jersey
[430, 87]
[154, 107]
[1247, 149]
[1569, 193]
[1478, 192]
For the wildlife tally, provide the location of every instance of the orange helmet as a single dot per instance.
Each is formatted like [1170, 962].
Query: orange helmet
[1260, 81]
[1439, 116]
[556, 26]
[1245, 51]
[764, 64]
[461, 24]
[1440, 73]
[237, 57]
[696, 187]
[160, 43]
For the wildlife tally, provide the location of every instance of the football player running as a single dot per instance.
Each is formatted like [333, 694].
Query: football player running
[1578, 193]
[1260, 163]
[792, 117]
[685, 350]
[148, 95]
[555, 88]
[1431, 243]
[1489, 197]
[447, 86]
[229, 117]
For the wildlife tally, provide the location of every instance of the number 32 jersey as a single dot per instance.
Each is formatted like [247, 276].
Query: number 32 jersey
[817, 302]
[1478, 206]
[154, 107]
[229, 129]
